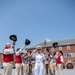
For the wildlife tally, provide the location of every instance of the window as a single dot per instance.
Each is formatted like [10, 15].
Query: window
[69, 61]
[72, 54]
[60, 48]
[64, 54]
[68, 54]
[68, 47]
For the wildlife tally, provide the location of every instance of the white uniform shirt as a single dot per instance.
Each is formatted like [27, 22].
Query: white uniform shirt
[61, 59]
[8, 51]
[19, 52]
[39, 57]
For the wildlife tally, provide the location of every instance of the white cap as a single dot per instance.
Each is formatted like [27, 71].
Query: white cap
[7, 43]
[38, 47]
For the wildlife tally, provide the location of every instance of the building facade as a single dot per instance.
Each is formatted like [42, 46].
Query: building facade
[66, 46]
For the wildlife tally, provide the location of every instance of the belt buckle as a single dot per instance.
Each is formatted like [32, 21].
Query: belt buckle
[38, 62]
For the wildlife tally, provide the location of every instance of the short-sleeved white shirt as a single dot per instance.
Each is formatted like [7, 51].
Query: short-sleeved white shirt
[39, 57]
[8, 51]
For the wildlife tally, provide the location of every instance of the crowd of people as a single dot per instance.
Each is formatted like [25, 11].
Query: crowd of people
[21, 61]
[56, 63]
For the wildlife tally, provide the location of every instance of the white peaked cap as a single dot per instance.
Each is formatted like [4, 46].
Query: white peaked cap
[38, 47]
[7, 43]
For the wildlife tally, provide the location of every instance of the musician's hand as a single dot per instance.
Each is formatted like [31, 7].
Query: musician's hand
[13, 46]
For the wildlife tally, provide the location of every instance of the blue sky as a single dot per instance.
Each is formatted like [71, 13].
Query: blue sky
[36, 20]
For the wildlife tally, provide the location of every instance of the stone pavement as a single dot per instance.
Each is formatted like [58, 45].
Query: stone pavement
[65, 72]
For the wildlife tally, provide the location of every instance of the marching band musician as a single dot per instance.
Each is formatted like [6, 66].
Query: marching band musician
[25, 63]
[53, 58]
[19, 57]
[59, 63]
[8, 59]
[18, 61]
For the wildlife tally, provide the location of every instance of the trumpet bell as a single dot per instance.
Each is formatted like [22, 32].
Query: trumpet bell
[13, 38]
